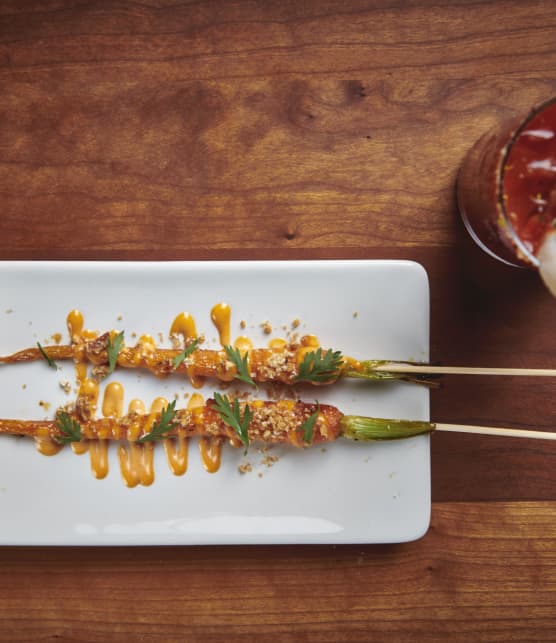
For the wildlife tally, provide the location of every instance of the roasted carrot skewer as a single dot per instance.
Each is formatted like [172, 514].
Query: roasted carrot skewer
[281, 422]
[290, 364]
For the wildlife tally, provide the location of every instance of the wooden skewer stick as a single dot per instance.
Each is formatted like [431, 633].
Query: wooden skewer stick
[426, 369]
[494, 430]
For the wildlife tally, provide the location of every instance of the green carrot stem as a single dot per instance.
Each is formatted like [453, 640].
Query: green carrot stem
[367, 370]
[356, 427]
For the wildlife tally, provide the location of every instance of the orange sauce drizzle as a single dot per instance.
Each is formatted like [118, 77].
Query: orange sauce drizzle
[310, 340]
[88, 393]
[74, 322]
[79, 448]
[137, 459]
[113, 401]
[136, 463]
[75, 325]
[45, 445]
[220, 315]
[184, 325]
[177, 449]
[243, 343]
[277, 343]
[146, 346]
[134, 430]
[308, 344]
[98, 452]
[210, 449]
[136, 406]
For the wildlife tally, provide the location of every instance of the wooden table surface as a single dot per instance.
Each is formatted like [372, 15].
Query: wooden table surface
[295, 130]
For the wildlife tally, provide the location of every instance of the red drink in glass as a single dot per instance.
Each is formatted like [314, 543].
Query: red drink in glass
[507, 191]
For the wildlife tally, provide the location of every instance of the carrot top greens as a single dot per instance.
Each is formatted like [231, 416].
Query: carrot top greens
[70, 429]
[178, 359]
[114, 347]
[241, 364]
[48, 359]
[319, 366]
[163, 425]
[231, 415]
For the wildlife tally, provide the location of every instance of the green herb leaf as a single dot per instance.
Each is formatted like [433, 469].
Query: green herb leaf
[163, 426]
[69, 428]
[48, 359]
[308, 426]
[114, 347]
[178, 359]
[231, 415]
[319, 366]
[240, 363]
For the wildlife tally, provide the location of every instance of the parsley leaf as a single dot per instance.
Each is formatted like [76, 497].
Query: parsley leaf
[69, 428]
[231, 415]
[240, 363]
[308, 426]
[319, 366]
[114, 347]
[178, 359]
[48, 359]
[164, 425]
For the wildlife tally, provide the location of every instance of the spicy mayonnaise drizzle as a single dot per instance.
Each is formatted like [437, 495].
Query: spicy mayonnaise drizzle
[184, 326]
[210, 449]
[136, 458]
[177, 449]
[220, 315]
[45, 445]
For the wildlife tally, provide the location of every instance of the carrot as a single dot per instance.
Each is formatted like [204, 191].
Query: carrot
[280, 422]
[288, 365]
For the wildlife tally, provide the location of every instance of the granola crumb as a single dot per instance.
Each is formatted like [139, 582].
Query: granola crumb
[119, 317]
[99, 372]
[44, 405]
[260, 474]
[56, 338]
[176, 341]
[65, 386]
[245, 468]
[296, 323]
[355, 315]
[267, 327]
[243, 324]
[24, 386]
[269, 460]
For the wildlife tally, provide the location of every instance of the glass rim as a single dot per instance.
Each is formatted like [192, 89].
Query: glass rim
[520, 245]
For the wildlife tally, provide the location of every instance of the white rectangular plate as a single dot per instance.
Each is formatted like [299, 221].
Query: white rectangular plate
[344, 493]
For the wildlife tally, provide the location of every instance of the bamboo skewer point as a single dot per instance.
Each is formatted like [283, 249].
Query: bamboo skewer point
[494, 430]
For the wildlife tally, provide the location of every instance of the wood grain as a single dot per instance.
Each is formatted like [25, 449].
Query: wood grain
[148, 125]
[484, 572]
[170, 130]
